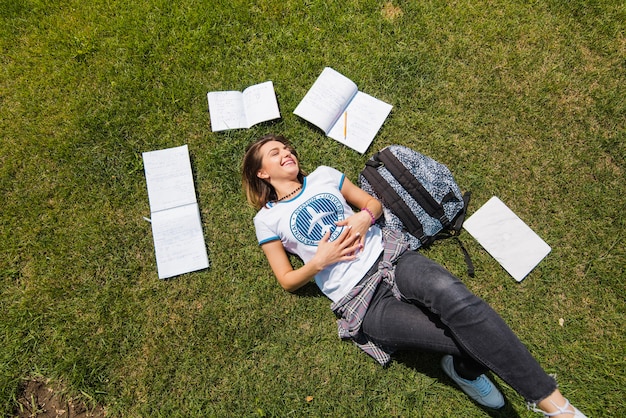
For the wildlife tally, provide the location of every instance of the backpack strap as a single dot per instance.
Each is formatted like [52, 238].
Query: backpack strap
[466, 255]
[393, 201]
[458, 221]
[413, 186]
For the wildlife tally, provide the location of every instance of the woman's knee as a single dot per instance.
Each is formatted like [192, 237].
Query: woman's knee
[414, 268]
[421, 279]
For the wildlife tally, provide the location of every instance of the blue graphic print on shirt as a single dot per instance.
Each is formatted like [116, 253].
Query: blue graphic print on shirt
[315, 217]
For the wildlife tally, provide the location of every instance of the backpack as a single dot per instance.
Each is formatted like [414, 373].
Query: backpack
[419, 196]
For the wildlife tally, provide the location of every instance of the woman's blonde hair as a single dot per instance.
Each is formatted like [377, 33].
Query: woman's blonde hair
[259, 191]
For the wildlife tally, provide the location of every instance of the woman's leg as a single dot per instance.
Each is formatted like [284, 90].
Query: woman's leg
[401, 325]
[474, 325]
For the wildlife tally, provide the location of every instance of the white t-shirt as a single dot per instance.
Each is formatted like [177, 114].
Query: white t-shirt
[300, 222]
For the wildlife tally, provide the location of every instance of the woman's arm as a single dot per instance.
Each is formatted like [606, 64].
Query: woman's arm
[344, 248]
[357, 197]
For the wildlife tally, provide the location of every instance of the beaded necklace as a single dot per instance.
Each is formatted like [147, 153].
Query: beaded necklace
[290, 194]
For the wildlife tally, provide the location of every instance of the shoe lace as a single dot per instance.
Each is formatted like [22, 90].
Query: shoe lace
[482, 385]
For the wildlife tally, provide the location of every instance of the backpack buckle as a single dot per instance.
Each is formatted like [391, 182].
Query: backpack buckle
[374, 164]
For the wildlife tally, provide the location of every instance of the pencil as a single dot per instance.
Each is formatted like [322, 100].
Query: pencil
[345, 125]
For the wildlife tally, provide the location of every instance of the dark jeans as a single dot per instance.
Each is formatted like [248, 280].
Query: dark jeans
[440, 314]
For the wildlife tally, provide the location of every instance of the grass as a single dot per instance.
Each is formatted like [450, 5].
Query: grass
[523, 100]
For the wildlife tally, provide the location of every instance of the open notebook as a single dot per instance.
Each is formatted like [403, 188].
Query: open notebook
[345, 114]
[176, 228]
[507, 238]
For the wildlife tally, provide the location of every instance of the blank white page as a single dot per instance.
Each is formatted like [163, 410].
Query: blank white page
[507, 238]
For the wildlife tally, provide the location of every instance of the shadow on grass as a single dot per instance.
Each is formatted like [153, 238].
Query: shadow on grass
[309, 290]
[428, 364]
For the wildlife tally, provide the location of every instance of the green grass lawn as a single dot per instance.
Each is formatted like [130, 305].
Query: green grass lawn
[523, 100]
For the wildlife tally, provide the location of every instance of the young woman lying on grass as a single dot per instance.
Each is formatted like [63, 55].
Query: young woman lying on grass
[386, 298]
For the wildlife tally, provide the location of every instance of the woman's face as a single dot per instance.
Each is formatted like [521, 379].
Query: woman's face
[277, 162]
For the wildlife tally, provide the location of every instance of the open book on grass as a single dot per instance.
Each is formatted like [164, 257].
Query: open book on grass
[176, 228]
[239, 110]
[507, 238]
[335, 105]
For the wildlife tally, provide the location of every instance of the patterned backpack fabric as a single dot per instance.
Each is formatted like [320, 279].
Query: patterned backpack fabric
[419, 195]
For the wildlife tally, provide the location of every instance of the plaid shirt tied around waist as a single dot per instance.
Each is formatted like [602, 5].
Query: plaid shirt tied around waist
[351, 309]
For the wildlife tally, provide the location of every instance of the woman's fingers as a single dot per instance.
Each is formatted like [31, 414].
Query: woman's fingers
[345, 247]
[351, 244]
[326, 236]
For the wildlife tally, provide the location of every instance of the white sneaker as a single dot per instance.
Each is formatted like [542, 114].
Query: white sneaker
[560, 410]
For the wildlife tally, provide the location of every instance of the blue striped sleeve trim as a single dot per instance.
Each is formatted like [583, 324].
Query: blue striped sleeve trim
[343, 176]
[270, 239]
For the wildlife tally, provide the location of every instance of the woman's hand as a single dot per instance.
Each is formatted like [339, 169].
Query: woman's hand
[344, 248]
[359, 223]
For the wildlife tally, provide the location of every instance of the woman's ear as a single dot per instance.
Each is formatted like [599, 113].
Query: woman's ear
[262, 174]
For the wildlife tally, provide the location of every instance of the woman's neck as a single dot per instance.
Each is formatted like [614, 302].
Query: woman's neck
[286, 189]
